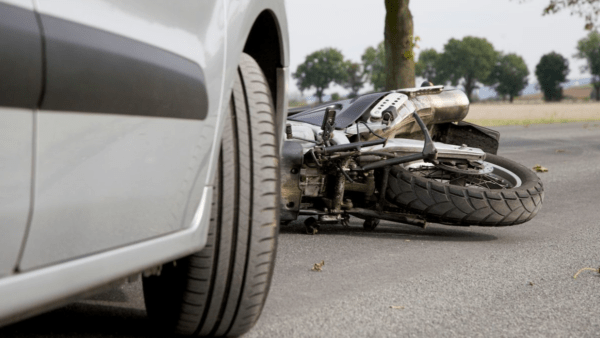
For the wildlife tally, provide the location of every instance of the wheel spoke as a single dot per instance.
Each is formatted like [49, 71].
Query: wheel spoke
[484, 181]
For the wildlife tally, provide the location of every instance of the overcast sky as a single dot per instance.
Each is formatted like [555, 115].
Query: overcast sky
[512, 27]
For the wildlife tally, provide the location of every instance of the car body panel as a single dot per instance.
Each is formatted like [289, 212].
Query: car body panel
[30, 293]
[200, 33]
[20, 87]
[20, 57]
[189, 28]
[241, 16]
[25, 4]
[107, 179]
[91, 70]
[16, 135]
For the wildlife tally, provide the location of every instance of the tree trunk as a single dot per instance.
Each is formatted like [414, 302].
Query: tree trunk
[511, 97]
[400, 70]
[320, 94]
[469, 86]
[596, 89]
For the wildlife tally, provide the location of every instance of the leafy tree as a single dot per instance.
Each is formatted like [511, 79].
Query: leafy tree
[467, 62]
[355, 78]
[427, 65]
[374, 66]
[551, 72]
[398, 33]
[590, 9]
[320, 69]
[511, 74]
[588, 48]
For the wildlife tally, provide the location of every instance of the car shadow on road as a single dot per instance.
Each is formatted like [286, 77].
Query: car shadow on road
[433, 232]
[85, 320]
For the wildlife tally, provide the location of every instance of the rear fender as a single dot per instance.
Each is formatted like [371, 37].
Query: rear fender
[468, 133]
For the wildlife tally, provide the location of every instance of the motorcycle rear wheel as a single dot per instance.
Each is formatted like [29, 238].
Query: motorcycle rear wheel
[512, 195]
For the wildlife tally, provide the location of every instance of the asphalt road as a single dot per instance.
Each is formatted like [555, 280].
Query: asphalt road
[442, 280]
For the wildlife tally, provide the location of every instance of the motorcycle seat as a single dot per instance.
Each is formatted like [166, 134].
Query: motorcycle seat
[347, 111]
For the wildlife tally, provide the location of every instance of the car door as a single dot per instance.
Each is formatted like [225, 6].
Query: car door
[20, 88]
[125, 127]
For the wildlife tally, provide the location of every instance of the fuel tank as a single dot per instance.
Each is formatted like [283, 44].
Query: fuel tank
[447, 106]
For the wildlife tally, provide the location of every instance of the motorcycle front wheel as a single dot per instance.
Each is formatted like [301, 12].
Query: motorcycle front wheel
[511, 194]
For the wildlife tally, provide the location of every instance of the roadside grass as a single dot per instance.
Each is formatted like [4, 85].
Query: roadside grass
[526, 114]
[526, 122]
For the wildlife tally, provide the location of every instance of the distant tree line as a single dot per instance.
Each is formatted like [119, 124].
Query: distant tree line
[470, 63]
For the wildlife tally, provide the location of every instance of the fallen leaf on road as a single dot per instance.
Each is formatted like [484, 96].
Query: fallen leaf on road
[531, 283]
[540, 169]
[397, 307]
[560, 151]
[318, 266]
[584, 269]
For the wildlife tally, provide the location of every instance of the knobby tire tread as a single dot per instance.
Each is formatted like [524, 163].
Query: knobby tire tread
[457, 205]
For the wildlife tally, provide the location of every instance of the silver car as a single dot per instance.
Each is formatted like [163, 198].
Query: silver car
[141, 137]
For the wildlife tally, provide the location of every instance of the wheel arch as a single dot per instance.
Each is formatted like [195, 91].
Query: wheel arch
[263, 39]
[267, 44]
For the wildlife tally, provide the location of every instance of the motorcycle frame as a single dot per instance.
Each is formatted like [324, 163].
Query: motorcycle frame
[304, 138]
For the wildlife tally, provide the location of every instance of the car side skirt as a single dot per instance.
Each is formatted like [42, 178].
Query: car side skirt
[27, 294]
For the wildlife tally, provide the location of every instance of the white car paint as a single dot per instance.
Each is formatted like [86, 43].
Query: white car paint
[16, 136]
[79, 240]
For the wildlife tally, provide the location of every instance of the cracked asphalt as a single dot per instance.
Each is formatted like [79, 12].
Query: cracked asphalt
[400, 280]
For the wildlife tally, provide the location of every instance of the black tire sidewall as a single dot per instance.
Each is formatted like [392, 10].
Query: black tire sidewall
[221, 290]
[457, 205]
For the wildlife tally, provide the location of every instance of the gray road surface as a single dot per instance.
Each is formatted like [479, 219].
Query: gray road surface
[445, 281]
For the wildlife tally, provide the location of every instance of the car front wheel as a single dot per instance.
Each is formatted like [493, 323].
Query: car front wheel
[221, 290]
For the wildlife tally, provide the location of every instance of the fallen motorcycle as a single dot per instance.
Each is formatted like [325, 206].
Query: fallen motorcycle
[404, 156]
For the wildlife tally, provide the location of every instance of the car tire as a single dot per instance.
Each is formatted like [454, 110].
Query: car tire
[221, 290]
